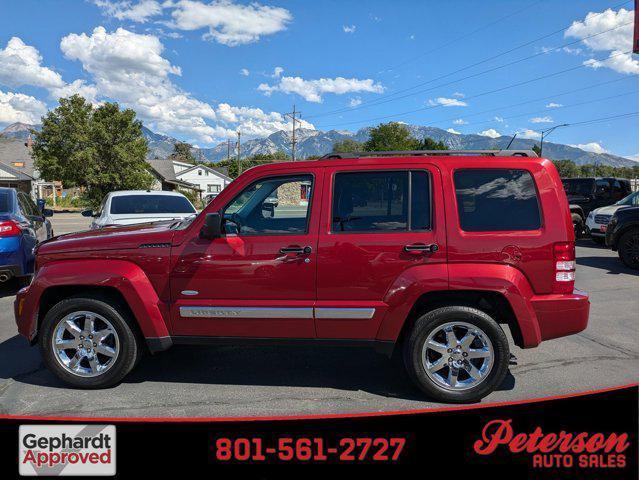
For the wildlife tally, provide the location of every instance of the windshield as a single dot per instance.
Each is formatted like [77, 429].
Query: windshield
[150, 204]
[632, 199]
[577, 186]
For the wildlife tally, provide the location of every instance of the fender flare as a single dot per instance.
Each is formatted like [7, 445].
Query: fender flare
[126, 277]
[499, 278]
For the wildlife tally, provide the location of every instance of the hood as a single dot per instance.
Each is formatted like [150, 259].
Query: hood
[109, 238]
[609, 210]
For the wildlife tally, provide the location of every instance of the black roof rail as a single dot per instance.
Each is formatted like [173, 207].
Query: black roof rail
[443, 153]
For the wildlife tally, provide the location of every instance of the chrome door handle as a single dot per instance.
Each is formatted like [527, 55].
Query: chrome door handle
[305, 250]
[420, 247]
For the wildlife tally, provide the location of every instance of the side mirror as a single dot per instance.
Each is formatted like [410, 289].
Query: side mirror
[212, 227]
[269, 208]
[47, 212]
[87, 213]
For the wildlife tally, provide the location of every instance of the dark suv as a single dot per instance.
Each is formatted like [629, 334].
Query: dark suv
[427, 255]
[594, 192]
[623, 235]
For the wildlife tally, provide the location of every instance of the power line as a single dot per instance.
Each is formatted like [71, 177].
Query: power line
[501, 89]
[385, 98]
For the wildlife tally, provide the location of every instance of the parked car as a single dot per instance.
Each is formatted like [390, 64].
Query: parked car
[595, 192]
[622, 235]
[130, 207]
[419, 256]
[22, 226]
[598, 220]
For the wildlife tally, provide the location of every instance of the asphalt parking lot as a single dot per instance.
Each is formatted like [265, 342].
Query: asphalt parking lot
[231, 381]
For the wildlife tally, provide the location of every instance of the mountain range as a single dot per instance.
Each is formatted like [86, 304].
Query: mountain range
[318, 142]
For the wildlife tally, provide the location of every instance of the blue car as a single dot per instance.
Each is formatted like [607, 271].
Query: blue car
[22, 226]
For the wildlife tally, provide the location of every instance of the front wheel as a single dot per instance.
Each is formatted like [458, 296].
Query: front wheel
[457, 354]
[87, 343]
[629, 248]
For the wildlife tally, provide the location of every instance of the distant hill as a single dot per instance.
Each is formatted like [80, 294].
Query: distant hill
[318, 142]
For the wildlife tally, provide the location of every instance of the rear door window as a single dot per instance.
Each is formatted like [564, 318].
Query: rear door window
[496, 200]
[381, 201]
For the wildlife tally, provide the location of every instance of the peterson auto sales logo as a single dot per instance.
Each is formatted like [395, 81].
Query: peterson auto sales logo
[555, 450]
[59, 450]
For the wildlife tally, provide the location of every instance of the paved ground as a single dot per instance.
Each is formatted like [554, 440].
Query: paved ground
[228, 381]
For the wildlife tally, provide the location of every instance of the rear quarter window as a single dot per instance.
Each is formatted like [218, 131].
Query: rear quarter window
[496, 200]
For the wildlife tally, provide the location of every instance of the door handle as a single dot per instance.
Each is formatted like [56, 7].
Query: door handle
[305, 250]
[420, 247]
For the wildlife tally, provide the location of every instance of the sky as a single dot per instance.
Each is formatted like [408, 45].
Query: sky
[201, 70]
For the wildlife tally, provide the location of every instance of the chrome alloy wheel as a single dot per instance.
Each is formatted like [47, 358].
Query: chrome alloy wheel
[85, 344]
[457, 356]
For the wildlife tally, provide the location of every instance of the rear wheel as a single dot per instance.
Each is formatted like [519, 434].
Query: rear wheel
[629, 248]
[87, 343]
[457, 354]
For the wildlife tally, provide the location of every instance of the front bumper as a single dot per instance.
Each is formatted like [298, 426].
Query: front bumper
[26, 311]
[559, 315]
[595, 228]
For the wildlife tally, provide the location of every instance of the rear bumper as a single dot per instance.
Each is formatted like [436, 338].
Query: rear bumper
[561, 315]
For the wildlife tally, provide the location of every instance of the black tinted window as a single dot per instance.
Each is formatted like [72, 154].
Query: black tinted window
[150, 204]
[379, 201]
[496, 200]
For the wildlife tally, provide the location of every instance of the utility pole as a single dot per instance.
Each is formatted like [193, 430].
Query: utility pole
[228, 148]
[239, 150]
[293, 116]
[545, 133]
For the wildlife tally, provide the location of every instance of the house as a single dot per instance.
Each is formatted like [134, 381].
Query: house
[208, 178]
[165, 178]
[17, 170]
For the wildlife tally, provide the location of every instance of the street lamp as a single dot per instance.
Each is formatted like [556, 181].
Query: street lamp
[545, 133]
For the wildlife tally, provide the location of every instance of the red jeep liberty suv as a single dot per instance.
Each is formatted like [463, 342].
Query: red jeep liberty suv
[423, 254]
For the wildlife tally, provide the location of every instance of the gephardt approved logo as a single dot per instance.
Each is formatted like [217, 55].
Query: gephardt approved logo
[66, 450]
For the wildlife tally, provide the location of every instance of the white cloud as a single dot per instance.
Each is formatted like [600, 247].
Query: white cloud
[17, 107]
[491, 132]
[349, 28]
[129, 68]
[554, 105]
[244, 72]
[127, 10]
[447, 102]
[452, 130]
[634, 157]
[460, 121]
[593, 147]
[277, 72]
[528, 133]
[616, 41]
[229, 23]
[355, 101]
[20, 64]
[545, 119]
[499, 119]
[312, 90]
[459, 94]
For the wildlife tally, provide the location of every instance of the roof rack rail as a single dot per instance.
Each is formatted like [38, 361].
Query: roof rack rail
[444, 153]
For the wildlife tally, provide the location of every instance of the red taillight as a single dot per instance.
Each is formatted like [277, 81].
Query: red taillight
[564, 253]
[9, 229]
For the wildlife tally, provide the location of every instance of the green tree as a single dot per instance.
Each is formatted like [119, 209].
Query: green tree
[348, 145]
[566, 168]
[430, 144]
[537, 149]
[182, 153]
[253, 161]
[98, 149]
[391, 136]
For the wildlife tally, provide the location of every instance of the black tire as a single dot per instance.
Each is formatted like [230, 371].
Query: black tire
[577, 225]
[430, 321]
[598, 240]
[130, 347]
[628, 248]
